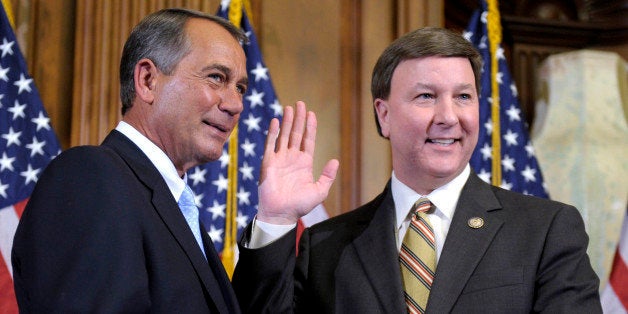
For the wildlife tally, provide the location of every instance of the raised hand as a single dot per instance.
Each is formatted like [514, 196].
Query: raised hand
[287, 190]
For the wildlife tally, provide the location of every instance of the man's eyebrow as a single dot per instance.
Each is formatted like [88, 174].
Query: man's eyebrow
[465, 86]
[216, 66]
[458, 86]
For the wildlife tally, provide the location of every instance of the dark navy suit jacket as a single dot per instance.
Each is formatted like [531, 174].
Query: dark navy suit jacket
[102, 233]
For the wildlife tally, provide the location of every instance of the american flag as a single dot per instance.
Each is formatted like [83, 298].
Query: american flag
[27, 145]
[615, 294]
[212, 183]
[520, 171]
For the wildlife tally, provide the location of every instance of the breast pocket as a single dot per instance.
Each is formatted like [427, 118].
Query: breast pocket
[501, 291]
[495, 279]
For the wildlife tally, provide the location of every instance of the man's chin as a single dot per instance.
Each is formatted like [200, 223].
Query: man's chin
[209, 156]
[447, 171]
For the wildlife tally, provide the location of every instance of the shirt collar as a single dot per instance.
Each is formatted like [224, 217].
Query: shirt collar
[445, 198]
[159, 159]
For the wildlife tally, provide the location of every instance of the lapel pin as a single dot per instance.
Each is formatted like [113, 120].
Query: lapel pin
[476, 222]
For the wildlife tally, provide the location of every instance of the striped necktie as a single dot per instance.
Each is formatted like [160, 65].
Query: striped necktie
[418, 258]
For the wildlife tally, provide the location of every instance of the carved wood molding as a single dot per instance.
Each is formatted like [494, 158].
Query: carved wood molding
[562, 33]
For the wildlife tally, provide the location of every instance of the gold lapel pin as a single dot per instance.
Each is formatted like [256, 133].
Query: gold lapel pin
[475, 222]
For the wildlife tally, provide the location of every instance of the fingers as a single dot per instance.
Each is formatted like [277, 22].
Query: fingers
[298, 126]
[271, 138]
[293, 128]
[309, 138]
[286, 127]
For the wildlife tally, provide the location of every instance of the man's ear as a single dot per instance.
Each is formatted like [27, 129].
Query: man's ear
[144, 77]
[382, 111]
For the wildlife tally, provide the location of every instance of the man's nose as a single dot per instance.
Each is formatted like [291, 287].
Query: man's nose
[231, 102]
[444, 112]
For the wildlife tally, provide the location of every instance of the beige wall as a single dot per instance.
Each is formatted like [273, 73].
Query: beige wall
[300, 45]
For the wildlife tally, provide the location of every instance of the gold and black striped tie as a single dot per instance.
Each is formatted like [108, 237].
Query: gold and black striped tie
[418, 258]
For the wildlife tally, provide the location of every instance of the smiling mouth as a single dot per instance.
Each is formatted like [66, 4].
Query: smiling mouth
[442, 142]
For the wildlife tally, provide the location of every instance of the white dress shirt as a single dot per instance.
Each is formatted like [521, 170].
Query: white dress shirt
[159, 159]
[444, 198]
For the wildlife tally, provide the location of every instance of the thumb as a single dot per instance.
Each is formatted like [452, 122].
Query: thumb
[328, 176]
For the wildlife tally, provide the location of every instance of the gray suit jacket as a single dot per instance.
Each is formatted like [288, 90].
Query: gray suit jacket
[102, 233]
[529, 256]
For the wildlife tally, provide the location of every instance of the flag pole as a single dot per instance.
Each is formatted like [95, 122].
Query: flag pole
[228, 252]
[495, 37]
[231, 228]
[8, 10]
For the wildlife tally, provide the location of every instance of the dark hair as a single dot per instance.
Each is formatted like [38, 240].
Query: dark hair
[161, 37]
[423, 42]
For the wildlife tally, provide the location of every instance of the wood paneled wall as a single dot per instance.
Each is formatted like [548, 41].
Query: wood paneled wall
[45, 32]
[321, 52]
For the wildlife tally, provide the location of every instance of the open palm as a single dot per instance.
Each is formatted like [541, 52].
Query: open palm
[287, 189]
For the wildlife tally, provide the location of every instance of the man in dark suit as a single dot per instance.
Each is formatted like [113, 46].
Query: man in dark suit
[103, 231]
[494, 251]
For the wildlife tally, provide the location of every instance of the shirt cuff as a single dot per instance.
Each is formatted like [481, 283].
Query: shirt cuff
[263, 233]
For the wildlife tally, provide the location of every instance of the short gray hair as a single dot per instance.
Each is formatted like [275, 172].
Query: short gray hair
[161, 37]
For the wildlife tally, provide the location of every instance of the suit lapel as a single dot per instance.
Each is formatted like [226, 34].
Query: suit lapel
[377, 251]
[464, 246]
[171, 215]
[167, 208]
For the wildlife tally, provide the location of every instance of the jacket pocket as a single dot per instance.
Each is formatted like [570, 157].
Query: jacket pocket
[494, 279]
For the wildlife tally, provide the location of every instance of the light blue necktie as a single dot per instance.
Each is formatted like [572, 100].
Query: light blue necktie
[190, 212]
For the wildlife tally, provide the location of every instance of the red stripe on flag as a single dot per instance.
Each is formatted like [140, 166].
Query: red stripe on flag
[619, 279]
[19, 207]
[8, 304]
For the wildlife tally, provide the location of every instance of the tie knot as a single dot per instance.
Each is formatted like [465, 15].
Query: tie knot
[423, 205]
